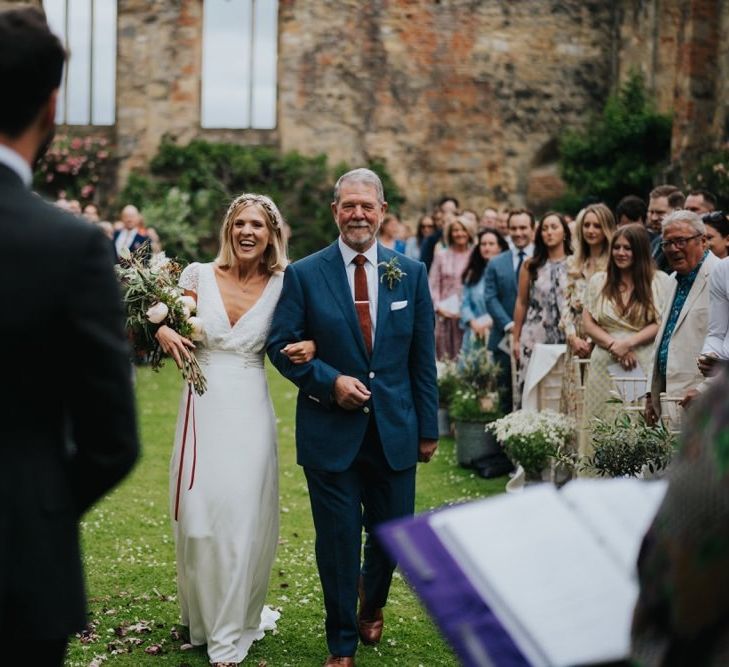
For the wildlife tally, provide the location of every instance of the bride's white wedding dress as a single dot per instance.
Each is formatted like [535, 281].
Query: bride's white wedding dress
[224, 477]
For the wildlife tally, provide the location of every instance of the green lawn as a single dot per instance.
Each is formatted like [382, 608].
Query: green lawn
[130, 563]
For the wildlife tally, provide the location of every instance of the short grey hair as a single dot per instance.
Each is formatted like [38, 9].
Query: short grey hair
[360, 175]
[682, 215]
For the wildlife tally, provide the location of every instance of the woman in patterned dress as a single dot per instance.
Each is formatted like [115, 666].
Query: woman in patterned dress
[540, 300]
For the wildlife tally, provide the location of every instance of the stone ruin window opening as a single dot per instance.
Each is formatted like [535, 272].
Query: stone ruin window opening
[87, 29]
[239, 59]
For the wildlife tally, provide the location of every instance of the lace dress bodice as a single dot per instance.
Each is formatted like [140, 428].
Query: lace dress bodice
[247, 337]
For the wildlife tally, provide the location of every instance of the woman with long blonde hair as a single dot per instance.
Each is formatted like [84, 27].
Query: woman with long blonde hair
[224, 471]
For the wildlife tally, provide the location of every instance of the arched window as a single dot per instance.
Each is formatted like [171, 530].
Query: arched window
[239, 52]
[88, 30]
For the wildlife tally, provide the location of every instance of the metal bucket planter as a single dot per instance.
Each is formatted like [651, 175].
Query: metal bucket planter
[473, 442]
[444, 423]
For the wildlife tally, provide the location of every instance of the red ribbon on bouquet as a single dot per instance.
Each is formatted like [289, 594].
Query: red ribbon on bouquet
[190, 408]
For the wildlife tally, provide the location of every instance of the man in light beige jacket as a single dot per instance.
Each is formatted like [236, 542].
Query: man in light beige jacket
[685, 319]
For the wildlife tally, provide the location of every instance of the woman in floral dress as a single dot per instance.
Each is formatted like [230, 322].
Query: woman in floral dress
[540, 300]
[445, 286]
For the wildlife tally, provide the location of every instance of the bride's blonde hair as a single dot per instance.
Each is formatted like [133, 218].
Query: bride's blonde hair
[274, 256]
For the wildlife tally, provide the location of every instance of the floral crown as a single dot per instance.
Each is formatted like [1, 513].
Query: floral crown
[266, 203]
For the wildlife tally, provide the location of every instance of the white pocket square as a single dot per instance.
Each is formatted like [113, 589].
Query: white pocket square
[398, 305]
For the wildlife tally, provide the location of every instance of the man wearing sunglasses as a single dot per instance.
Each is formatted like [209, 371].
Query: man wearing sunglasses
[685, 319]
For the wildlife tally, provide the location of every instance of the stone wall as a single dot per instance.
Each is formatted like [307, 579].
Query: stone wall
[462, 97]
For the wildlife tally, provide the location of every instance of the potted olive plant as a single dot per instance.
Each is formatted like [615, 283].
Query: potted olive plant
[474, 404]
[448, 383]
[628, 447]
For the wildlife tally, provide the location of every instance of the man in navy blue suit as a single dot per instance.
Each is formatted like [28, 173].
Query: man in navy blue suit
[367, 406]
[129, 237]
[500, 289]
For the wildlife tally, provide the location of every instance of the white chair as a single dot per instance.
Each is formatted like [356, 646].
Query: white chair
[549, 388]
[671, 412]
[631, 391]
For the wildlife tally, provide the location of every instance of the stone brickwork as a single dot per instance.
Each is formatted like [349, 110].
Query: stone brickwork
[462, 97]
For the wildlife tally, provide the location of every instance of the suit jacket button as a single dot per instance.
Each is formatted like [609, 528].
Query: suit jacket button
[372, 374]
[366, 410]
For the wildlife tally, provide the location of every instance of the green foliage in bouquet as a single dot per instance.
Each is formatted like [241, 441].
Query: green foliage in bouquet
[712, 174]
[477, 371]
[624, 446]
[620, 152]
[208, 176]
[534, 439]
[152, 297]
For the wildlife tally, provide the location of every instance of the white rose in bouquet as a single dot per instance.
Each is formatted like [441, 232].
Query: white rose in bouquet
[189, 304]
[197, 328]
[156, 314]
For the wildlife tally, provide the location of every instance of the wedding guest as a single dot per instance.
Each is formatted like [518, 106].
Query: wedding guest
[445, 287]
[594, 229]
[621, 317]
[716, 344]
[471, 216]
[389, 235]
[426, 227]
[489, 218]
[67, 418]
[106, 227]
[91, 213]
[717, 233]
[500, 289]
[446, 206]
[684, 319]
[700, 202]
[129, 238]
[540, 298]
[74, 206]
[682, 613]
[475, 319]
[662, 200]
[631, 209]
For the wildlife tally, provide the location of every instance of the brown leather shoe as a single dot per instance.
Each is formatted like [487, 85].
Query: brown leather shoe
[369, 624]
[339, 661]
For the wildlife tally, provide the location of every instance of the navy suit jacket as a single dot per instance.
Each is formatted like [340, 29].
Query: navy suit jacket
[137, 243]
[500, 294]
[316, 304]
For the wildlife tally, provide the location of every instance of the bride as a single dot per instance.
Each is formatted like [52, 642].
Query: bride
[223, 473]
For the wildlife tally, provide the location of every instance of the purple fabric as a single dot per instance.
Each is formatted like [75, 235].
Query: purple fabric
[467, 623]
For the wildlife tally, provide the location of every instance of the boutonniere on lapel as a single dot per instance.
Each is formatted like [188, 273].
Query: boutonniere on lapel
[391, 272]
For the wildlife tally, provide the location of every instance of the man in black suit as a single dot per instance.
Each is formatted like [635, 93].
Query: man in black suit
[67, 424]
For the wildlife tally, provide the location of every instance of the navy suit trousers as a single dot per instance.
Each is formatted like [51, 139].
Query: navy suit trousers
[368, 493]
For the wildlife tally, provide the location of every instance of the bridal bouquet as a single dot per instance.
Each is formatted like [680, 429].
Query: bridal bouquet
[152, 297]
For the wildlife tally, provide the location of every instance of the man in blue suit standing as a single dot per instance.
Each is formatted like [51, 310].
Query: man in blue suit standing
[367, 406]
[501, 280]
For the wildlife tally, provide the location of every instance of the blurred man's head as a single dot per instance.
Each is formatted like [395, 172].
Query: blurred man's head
[662, 200]
[31, 65]
[700, 202]
[630, 209]
[130, 217]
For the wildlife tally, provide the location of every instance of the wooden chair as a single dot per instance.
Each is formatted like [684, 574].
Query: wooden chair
[631, 392]
[549, 389]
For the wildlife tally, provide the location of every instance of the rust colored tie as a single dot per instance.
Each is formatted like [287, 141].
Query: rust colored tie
[362, 301]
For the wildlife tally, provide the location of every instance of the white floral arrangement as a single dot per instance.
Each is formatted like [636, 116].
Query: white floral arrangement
[533, 438]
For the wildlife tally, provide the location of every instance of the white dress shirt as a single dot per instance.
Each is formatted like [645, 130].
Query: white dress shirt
[16, 163]
[370, 267]
[717, 337]
[125, 239]
[528, 252]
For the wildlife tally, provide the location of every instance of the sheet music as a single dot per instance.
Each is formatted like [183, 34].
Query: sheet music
[561, 595]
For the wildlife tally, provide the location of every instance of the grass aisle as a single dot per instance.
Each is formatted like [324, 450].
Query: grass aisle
[130, 563]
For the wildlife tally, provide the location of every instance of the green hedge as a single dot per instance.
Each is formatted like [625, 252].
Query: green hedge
[188, 189]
